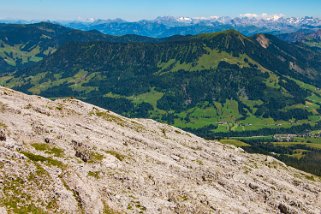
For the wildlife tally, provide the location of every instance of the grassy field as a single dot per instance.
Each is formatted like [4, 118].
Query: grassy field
[207, 61]
[303, 153]
[13, 53]
[234, 142]
[150, 97]
[289, 144]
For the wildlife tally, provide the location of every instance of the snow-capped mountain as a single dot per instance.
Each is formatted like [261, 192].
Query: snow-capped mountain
[247, 24]
[166, 26]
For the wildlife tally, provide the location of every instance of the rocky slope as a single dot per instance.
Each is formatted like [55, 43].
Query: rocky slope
[66, 156]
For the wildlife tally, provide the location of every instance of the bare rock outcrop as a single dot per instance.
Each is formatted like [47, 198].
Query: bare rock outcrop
[66, 156]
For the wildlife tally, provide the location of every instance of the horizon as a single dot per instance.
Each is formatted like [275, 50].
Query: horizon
[82, 10]
[263, 16]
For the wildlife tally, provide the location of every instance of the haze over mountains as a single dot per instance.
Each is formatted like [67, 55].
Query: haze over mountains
[247, 24]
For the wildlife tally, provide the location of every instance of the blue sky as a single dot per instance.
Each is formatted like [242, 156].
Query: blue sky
[149, 9]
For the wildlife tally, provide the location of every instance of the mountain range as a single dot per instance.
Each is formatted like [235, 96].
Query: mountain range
[25, 43]
[215, 85]
[258, 91]
[161, 27]
[168, 26]
[308, 37]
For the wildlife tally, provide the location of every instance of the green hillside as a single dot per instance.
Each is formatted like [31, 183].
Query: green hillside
[21, 44]
[215, 85]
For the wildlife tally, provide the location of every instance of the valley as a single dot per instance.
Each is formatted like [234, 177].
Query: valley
[160, 107]
[216, 85]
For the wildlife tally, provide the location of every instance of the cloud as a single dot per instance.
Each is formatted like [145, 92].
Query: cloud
[249, 15]
[264, 16]
[81, 19]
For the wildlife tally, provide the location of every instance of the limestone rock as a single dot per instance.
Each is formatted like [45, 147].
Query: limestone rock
[66, 156]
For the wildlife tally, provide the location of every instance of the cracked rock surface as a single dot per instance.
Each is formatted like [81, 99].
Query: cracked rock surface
[67, 156]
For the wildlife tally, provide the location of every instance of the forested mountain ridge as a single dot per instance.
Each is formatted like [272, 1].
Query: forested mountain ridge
[309, 37]
[214, 84]
[24, 43]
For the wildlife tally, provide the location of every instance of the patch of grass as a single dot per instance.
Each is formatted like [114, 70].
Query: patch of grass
[310, 177]
[41, 82]
[108, 209]
[48, 161]
[109, 117]
[40, 172]
[58, 152]
[208, 61]
[234, 142]
[95, 157]
[13, 204]
[178, 132]
[183, 197]
[267, 138]
[94, 174]
[308, 139]
[12, 53]
[129, 207]
[116, 154]
[2, 125]
[59, 107]
[164, 132]
[18, 193]
[65, 183]
[2, 107]
[199, 162]
[288, 144]
[150, 97]
[136, 204]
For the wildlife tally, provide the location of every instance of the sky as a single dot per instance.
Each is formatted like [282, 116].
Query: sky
[133, 10]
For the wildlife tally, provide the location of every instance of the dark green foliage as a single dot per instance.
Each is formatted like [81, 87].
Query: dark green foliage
[300, 129]
[310, 162]
[206, 132]
[119, 105]
[296, 91]
[168, 118]
[48, 37]
[187, 89]
[142, 110]
[57, 91]
[190, 72]
[171, 102]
